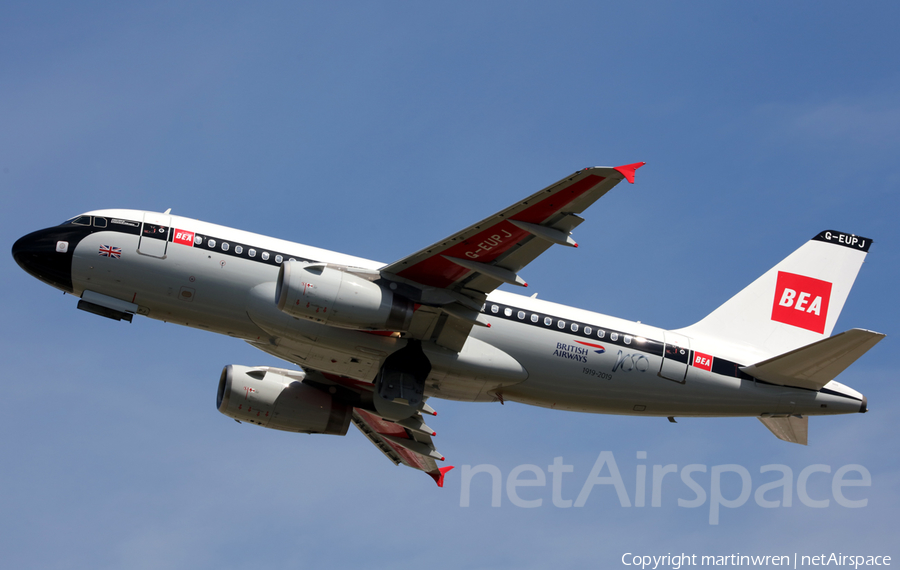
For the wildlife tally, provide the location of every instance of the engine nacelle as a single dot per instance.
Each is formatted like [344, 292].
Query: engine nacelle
[323, 294]
[278, 399]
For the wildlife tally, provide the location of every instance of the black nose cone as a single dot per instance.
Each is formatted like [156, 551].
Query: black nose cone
[47, 255]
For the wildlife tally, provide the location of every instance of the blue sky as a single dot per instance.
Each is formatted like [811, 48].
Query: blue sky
[378, 128]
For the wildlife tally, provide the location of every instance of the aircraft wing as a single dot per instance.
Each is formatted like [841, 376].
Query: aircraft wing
[405, 441]
[401, 445]
[453, 276]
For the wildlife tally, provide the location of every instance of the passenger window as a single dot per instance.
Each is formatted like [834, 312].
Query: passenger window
[601, 333]
[211, 243]
[627, 339]
[521, 315]
[494, 309]
[198, 240]
[238, 249]
[265, 256]
[613, 336]
[278, 259]
[534, 318]
[587, 331]
[99, 222]
[224, 246]
[548, 321]
[251, 252]
[574, 327]
[561, 324]
[507, 312]
[82, 221]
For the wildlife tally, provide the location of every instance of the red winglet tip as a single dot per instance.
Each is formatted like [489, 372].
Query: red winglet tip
[576, 245]
[434, 433]
[489, 325]
[525, 285]
[628, 170]
[439, 477]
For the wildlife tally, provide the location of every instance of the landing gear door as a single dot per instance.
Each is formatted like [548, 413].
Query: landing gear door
[675, 357]
[155, 234]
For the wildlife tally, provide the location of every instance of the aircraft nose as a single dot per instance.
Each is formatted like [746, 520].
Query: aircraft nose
[47, 255]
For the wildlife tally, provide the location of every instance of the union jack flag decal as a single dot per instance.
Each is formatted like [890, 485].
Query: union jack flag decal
[110, 251]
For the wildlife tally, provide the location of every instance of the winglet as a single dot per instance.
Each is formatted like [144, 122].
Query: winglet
[439, 476]
[628, 170]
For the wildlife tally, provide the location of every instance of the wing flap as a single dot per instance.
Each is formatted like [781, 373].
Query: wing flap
[814, 365]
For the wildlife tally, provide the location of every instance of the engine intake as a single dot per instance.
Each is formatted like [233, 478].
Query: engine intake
[327, 295]
[278, 399]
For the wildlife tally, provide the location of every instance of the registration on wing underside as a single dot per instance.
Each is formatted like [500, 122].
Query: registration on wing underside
[545, 215]
[478, 259]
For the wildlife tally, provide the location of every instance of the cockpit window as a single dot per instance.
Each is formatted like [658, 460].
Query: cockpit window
[82, 221]
[99, 222]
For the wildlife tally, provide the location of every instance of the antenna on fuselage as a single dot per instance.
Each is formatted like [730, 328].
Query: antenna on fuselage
[167, 212]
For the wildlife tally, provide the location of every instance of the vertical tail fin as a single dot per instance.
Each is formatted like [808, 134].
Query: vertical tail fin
[795, 303]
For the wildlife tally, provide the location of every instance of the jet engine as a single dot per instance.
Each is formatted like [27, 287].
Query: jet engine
[330, 296]
[278, 399]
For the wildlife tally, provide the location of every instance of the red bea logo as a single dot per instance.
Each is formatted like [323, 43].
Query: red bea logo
[184, 238]
[703, 361]
[801, 301]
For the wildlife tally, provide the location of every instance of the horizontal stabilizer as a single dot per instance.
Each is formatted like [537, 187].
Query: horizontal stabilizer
[814, 365]
[791, 428]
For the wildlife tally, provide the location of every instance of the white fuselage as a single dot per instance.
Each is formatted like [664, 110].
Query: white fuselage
[535, 352]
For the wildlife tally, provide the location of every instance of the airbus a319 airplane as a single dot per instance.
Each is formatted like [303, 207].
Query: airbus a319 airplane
[375, 341]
